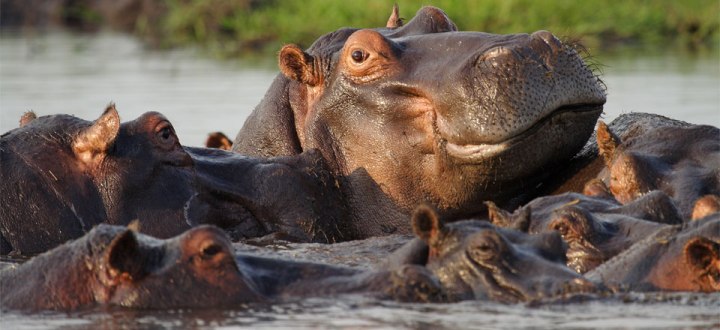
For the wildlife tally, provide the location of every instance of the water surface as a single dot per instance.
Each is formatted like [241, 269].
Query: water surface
[79, 74]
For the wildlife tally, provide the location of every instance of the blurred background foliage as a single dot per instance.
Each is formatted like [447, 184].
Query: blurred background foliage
[233, 28]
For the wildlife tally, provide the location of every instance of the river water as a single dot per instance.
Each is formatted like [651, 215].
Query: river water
[58, 72]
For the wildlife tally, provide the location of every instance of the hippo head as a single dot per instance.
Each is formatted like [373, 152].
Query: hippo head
[114, 265]
[195, 269]
[65, 175]
[428, 113]
[477, 260]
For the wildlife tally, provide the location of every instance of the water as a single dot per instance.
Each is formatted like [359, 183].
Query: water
[64, 73]
[80, 75]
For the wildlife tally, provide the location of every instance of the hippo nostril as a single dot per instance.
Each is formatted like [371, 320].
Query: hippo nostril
[211, 250]
[496, 56]
[549, 39]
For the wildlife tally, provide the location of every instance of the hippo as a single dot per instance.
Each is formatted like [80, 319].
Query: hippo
[705, 206]
[684, 162]
[117, 266]
[424, 113]
[475, 260]
[62, 175]
[673, 259]
[113, 265]
[595, 228]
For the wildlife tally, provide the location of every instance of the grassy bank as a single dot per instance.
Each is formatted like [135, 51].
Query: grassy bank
[229, 28]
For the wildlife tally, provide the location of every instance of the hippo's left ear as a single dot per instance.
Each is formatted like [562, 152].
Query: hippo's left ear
[298, 65]
[703, 256]
[425, 224]
[123, 258]
[27, 117]
[607, 142]
[95, 140]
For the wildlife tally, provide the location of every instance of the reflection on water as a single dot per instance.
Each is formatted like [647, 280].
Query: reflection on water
[63, 73]
[76, 74]
[678, 311]
[685, 87]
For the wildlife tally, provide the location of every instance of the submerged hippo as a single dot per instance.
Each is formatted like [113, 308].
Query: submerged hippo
[61, 175]
[475, 260]
[673, 259]
[114, 265]
[426, 113]
[684, 162]
[594, 228]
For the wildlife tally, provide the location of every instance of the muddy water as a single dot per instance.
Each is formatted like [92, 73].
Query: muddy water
[63, 73]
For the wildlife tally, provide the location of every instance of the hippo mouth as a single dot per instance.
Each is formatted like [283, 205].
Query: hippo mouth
[483, 151]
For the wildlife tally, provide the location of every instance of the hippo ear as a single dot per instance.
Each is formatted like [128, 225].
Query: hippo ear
[27, 117]
[502, 218]
[705, 206]
[607, 142]
[702, 254]
[394, 21]
[298, 65]
[218, 140]
[425, 224]
[123, 258]
[573, 221]
[94, 141]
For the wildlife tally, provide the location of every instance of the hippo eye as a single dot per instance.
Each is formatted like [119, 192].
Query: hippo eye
[165, 134]
[211, 250]
[483, 250]
[358, 56]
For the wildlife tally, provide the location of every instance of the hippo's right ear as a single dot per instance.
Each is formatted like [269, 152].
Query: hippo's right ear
[123, 258]
[425, 224]
[298, 65]
[607, 142]
[703, 256]
[27, 117]
[93, 142]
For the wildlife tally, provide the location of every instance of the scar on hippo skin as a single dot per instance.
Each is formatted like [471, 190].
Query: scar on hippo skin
[705, 206]
[218, 140]
[27, 117]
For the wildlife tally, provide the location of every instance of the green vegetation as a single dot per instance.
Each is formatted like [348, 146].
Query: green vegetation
[237, 27]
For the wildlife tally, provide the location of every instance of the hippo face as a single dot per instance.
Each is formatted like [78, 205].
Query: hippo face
[483, 262]
[63, 175]
[196, 269]
[431, 114]
[114, 265]
[682, 161]
[671, 259]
